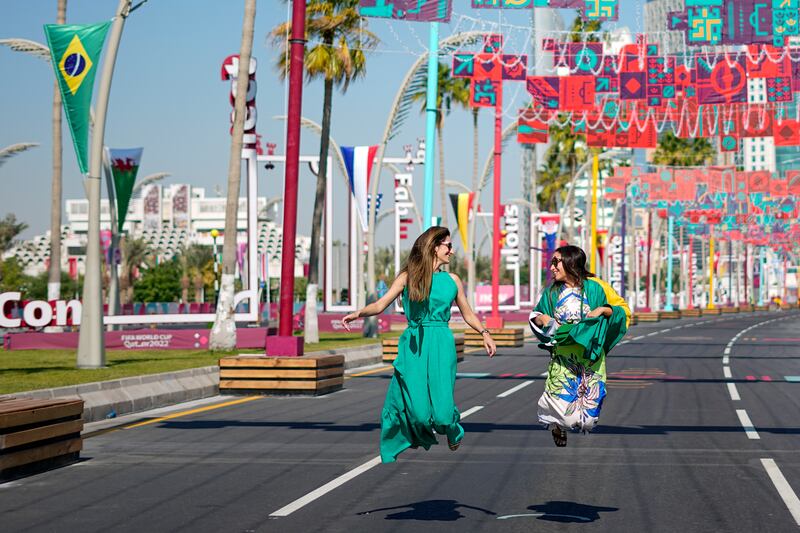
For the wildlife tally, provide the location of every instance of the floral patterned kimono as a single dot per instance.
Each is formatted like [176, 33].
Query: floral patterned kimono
[576, 378]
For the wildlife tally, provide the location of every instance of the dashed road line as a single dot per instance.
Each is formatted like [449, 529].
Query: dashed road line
[785, 491]
[512, 390]
[749, 429]
[734, 392]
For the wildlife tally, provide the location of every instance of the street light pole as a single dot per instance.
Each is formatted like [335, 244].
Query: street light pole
[91, 343]
[593, 243]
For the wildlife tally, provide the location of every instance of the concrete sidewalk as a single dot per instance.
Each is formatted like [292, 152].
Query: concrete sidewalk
[118, 397]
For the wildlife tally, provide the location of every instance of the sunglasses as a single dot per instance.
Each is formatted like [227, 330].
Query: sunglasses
[555, 261]
[448, 244]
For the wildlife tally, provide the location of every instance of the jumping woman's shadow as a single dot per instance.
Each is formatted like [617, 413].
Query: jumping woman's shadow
[431, 510]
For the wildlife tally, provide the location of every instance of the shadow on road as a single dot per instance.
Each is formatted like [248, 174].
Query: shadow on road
[570, 512]
[428, 510]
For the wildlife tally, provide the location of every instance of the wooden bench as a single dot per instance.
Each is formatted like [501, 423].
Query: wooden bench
[710, 312]
[729, 310]
[646, 316]
[669, 315]
[37, 435]
[259, 374]
[691, 313]
[510, 337]
[390, 348]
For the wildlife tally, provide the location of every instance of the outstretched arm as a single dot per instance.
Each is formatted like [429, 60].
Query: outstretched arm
[471, 318]
[379, 306]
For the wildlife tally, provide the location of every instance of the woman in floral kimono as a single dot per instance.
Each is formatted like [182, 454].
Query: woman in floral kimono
[578, 319]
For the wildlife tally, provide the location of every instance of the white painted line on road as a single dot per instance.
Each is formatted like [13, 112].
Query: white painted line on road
[726, 371]
[727, 350]
[326, 488]
[653, 333]
[512, 390]
[637, 338]
[734, 392]
[344, 478]
[747, 424]
[543, 374]
[784, 489]
[726, 360]
[471, 410]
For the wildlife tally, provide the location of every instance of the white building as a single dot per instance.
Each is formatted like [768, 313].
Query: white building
[168, 217]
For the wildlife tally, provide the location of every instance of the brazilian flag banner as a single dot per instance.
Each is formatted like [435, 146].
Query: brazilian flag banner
[75, 51]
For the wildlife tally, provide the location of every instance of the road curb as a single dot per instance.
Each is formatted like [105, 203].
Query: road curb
[118, 397]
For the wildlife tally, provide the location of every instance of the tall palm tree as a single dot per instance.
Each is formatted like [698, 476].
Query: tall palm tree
[338, 58]
[450, 91]
[223, 332]
[674, 151]
[43, 52]
[134, 254]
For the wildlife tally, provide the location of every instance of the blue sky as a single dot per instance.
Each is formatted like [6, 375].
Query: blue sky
[167, 96]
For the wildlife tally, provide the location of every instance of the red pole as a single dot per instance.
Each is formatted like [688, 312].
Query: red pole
[746, 263]
[690, 288]
[495, 320]
[285, 343]
[649, 256]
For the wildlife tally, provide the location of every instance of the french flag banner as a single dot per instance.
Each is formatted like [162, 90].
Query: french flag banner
[358, 162]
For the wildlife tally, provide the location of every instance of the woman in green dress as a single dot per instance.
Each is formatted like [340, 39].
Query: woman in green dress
[420, 401]
[578, 319]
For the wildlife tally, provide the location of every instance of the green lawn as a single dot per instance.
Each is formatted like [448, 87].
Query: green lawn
[41, 369]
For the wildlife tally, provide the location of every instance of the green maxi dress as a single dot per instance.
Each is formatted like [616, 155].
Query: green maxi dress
[420, 400]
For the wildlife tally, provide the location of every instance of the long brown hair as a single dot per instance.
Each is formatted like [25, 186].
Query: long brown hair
[573, 259]
[419, 265]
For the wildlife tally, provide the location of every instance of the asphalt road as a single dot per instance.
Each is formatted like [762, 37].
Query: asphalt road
[683, 445]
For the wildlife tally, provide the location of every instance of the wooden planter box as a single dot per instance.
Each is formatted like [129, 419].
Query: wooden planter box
[729, 310]
[669, 315]
[510, 337]
[694, 312]
[709, 312]
[760, 308]
[646, 316]
[746, 308]
[258, 374]
[390, 348]
[36, 435]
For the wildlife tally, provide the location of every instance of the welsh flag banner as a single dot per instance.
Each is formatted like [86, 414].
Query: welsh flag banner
[124, 163]
[75, 51]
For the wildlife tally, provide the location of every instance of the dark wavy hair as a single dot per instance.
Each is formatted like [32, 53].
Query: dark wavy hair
[573, 259]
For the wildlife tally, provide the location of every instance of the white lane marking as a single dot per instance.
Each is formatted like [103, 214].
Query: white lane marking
[727, 350]
[653, 333]
[726, 360]
[637, 338]
[326, 488]
[734, 392]
[471, 410]
[512, 390]
[784, 489]
[726, 371]
[747, 424]
[344, 478]
[544, 374]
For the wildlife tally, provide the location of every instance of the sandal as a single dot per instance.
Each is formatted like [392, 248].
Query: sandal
[560, 436]
[453, 445]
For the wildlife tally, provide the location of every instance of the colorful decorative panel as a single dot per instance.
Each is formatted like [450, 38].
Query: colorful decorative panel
[410, 10]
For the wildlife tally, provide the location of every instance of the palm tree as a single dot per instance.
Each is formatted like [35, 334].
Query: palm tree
[450, 90]
[134, 254]
[223, 332]
[338, 59]
[10, 151]
[677, 152]
[192, 259]
[43, 52]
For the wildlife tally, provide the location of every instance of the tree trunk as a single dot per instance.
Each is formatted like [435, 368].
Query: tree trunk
[54, 270]
[311, 327]
[473, 213]
[442, 187]
[223, 333]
